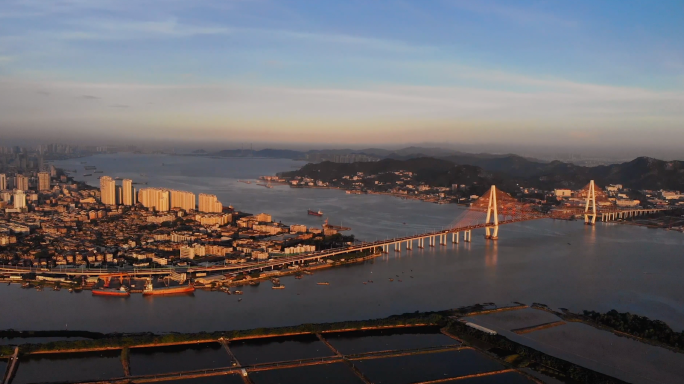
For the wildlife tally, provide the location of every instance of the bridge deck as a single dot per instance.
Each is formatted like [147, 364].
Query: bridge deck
[280, 261]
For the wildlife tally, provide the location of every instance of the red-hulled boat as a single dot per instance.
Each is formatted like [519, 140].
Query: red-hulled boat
[150, 290]
[314, 213]
[121, 292]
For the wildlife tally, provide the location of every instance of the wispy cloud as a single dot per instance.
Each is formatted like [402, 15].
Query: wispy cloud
[89, 97]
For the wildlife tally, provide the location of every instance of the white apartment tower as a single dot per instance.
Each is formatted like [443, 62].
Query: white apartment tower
[3, 182]
[183, 200]
[127, 193]
[21, 182]
[209, 203]
[19, 199]
[154, 198]
[107, 190]
[43, 181]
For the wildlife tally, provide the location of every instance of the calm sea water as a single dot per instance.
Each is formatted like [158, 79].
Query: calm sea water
[559, 263]
[149, 361]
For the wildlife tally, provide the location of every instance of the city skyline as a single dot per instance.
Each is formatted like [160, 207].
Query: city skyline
[534, 73]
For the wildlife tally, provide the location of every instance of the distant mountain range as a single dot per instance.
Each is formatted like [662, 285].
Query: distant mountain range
[438, 164]
[507, 171]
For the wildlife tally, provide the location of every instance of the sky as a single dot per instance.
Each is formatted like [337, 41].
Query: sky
[345, 72]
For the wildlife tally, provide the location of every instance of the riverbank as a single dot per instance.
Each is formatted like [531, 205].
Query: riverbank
[302, 270]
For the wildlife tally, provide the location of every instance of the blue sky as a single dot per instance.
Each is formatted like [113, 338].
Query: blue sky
[345, 70]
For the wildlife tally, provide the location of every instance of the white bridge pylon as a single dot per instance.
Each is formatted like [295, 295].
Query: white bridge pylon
[493, 215]
[590, 207]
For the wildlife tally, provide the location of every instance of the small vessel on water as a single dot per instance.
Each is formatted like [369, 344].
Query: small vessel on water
[238, 292]
[121, 292]
[314, 213]
[88, 174]
[150, 290]
[245, 181]
[278, 287]
[323, 283]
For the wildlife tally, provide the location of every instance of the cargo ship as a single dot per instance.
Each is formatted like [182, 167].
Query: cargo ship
[314, 213]
[121, 292]
[150, 290]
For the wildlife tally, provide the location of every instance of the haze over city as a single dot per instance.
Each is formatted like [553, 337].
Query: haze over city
[355, 73]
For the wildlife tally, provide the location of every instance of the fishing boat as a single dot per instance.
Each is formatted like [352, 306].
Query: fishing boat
[278, 287]
[121, 292]
[314, 213]
[323, 283]
[150, 290]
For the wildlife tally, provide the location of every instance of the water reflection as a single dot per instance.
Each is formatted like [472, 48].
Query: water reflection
[337, 373]
[426, 367]
[69, 367]
[491, 253]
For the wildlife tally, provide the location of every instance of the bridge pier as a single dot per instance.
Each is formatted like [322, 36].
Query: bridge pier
[409, 245]
[432, 241]
[421, 241]
[467, 236]
[443, 240]
[454, 238]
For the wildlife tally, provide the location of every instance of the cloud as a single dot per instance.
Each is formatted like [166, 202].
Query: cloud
[89, 97]
[111, 29]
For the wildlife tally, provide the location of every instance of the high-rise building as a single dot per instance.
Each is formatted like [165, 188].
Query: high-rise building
[53, 171]
[209, 203]
[107, 190]
[154, 198]
[21, 182]
[127, 193]
[3, 181]
[19, 199]
[43, 181]
[183, 200]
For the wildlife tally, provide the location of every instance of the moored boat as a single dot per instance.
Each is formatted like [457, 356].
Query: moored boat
[314, 213]
[150, 290]
[121, 292]
[323, 283]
